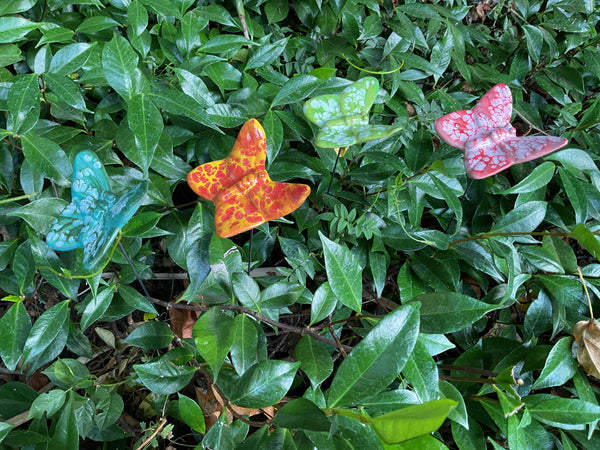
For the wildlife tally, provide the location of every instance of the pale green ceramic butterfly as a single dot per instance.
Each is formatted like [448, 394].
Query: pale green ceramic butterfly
[95, 215]
[344, 118]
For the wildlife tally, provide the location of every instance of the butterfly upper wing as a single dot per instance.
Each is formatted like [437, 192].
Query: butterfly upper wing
[89, 178]
[248, 154]
[493, 111]
[256, 200]
[88, 182]
[358, 98]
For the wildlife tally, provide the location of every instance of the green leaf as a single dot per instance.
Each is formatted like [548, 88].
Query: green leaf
[245, 350]
[137, 16]
[522, 219]
[119, 62]
[411, 422]
[560, 366]
[14, 28]
[48, 158]
[70, 58]
[323, 303]
[566, 413]
[314, 360]
[377, 360]
[175, 102]
[149, 336]
[214, 333]
[40, 213]
[67, 90]
[301, 414]
[96, 305]
[146, 122]
[266, 54]
[191, 413]
[263, 384]
[447, 312]
[15, 326]
[163, 377]
[47, 337]
[538, 178]
[296, 89]
[343, 273]
[587, 239]
[23, 104]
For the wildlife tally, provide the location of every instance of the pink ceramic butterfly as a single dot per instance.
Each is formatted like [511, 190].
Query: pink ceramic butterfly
[488, 139]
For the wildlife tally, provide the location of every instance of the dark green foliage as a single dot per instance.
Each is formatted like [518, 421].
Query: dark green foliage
[408, 304]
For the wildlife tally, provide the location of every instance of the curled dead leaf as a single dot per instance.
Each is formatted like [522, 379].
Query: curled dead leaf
[587, 336]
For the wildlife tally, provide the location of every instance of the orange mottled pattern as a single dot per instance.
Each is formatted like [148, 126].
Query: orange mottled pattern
[244, 195]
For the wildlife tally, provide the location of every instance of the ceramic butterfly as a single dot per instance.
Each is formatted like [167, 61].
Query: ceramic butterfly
[343, 118]
[244, 195]
[95, 215]
[488, 139]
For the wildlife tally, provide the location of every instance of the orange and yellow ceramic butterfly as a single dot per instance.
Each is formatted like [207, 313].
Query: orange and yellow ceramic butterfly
[244, 195]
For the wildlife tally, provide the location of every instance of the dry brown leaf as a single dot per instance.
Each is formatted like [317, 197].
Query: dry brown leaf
[182, 321]
[587, 336]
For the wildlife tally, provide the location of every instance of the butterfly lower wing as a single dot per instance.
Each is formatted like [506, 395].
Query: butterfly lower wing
[111, 216]
[255, 201]
[323, 108]
[527, 148]
[486, 160]
[456, 128]
[65, 232]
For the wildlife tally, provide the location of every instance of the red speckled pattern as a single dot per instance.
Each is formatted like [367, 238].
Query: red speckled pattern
[244, 195]
[488, 139]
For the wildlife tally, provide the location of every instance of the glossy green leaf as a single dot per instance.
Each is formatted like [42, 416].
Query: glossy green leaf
[560, 365]
[214, 333]
[191, 413]
[163, 377]
[118, 63]
[301, 414]
[48, 158]
[14, 28]
[413, 421]
[149, 336]
[343, 273]
[47, 337]
[145, 121]
[524, 218]
[95, 306]
[245, 350]
[447, 312]
[377, 360]
[15, 326]
[538, 178]
[314, 360]
[264, 384]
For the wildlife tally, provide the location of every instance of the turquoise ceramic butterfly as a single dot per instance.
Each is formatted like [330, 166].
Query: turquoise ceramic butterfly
[344, 118]
[95, 215]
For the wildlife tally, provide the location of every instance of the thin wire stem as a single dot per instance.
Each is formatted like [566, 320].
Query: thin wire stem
[337, 158]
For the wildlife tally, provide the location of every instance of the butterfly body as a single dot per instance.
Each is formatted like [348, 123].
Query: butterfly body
[344, 118]
[244, 194]
[488, 139]
[95, 215]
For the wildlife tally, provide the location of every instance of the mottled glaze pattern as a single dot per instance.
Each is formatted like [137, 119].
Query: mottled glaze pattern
[488, 139]
[244, 195]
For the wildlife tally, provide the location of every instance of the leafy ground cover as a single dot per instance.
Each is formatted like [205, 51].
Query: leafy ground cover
[408, 308]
